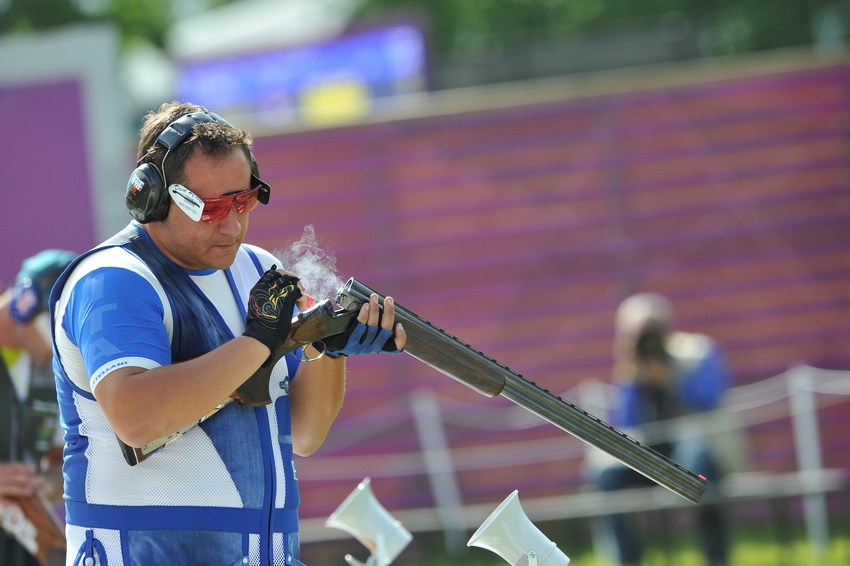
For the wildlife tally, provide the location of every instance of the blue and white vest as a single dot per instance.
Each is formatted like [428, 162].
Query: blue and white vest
[226, 491]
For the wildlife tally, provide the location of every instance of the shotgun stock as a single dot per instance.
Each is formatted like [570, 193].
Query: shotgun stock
[457, 359]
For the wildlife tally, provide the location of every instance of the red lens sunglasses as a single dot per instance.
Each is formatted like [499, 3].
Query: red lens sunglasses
[217, 208]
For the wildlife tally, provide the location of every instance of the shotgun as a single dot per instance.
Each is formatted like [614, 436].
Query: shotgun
[457, 359]
[462, 362]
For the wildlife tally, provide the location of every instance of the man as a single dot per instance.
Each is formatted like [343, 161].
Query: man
[30, 435]
[663, 374]
[155, 329]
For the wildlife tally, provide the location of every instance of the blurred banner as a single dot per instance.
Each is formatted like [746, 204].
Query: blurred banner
[331, 82]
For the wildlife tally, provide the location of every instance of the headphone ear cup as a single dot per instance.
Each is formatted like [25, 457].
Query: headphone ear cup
[146, 197]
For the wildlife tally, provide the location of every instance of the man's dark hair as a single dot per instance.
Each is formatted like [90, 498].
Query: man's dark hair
[211, 138]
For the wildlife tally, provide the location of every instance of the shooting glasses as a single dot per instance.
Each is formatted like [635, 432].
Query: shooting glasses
[213, 209]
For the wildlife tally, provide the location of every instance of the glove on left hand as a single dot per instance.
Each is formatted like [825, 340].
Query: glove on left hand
[270, 308]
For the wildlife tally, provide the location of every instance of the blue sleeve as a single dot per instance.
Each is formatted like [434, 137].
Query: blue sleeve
[115, 314]
[626, 412]
[704, 387]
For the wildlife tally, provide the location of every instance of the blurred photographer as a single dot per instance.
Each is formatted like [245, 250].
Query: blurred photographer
[663, 374]
[30, 435]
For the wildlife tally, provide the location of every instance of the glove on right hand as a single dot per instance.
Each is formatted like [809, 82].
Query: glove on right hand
[362, 341]
[270, 307]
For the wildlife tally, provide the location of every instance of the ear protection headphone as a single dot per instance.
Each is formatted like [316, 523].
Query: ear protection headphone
[147, 197]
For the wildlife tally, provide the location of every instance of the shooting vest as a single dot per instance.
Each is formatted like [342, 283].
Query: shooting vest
[149, 534]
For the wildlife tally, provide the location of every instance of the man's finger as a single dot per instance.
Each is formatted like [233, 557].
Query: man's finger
[18, 485]
[374, 310]
[400, 337]
[363, 315]
[389, 314]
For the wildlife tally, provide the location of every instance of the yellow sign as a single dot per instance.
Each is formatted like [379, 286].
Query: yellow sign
[337, 102]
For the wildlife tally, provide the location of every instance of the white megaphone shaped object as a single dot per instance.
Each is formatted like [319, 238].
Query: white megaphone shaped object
[509, 533]
[362, 516]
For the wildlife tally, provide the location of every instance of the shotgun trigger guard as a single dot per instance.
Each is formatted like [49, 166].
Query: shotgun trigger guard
[321, 355]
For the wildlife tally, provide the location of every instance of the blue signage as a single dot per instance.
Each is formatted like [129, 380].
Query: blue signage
[326, 81]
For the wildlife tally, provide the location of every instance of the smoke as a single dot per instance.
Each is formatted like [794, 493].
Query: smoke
[315, 266]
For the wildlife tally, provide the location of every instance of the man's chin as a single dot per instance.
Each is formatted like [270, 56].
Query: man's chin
[222, 257]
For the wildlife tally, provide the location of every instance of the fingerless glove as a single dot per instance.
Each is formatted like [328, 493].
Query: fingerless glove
[363, 340]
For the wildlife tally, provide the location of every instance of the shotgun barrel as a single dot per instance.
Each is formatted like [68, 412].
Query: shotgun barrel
[475, 369]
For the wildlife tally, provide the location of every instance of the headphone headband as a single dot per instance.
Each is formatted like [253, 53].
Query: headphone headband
[180, 129]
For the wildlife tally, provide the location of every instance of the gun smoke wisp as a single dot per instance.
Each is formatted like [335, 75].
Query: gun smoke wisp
[315, 266]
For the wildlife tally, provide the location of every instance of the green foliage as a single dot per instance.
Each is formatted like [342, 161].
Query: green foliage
[145, 20]
[752, 545]
[23, 16]
[728, 25]
[148, 20]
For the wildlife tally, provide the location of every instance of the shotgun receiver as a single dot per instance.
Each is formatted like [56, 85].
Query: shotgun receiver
[457, 359]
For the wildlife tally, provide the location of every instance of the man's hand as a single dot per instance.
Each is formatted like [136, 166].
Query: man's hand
[373, 332]
[270, 308]
[17, 480]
